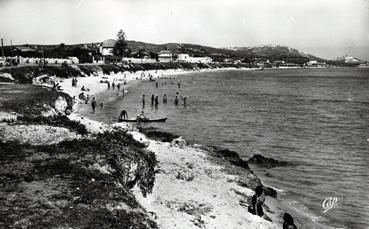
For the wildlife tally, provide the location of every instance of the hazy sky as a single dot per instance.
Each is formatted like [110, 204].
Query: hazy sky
[327, 28]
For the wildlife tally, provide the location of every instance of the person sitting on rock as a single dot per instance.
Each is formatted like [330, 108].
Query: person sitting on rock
[288, 221]
[257, 201]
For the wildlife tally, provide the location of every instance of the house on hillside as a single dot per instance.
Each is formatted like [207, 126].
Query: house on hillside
[182, 57]
[107, 47]
[165, 56]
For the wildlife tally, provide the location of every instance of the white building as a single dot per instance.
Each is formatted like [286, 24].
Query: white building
[312, 62]
[183, 57]
[165, 56]
[107, 47]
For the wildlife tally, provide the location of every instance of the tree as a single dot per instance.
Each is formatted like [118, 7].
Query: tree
[121, 43]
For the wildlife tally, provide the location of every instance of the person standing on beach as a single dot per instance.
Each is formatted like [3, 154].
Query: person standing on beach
[156, 85]
[113, 85]
[118, 86]
[93, 104]
[176, 100]
[165, 99]
[108, 85]
[179, 85]
[101, 105]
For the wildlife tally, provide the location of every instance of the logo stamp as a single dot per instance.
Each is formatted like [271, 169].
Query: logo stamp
[329, 203]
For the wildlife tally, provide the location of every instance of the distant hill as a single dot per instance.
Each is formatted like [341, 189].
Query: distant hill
[269, 52]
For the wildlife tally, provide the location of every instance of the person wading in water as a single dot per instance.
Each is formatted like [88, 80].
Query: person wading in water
[152, 99]
[143, 101]
[93, 104]
[123, 114]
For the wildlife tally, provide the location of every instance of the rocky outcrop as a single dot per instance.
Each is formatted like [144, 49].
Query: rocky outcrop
[155, 134]
[267, 162]
[179, 142]
[232, 157]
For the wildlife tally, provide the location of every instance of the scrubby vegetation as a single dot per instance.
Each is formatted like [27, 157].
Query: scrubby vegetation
[29, 100]
[79, 184]
[60, 121]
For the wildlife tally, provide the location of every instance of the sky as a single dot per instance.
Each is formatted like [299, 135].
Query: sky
[326, 28]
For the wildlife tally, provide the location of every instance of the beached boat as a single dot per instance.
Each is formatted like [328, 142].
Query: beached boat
[143, 120]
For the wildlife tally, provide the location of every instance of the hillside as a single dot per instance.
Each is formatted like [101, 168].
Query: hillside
[245, 54]
[272, 53]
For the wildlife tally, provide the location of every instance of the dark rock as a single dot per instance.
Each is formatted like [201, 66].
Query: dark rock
[270, 192]
[158, 135]
[267, 162]
[232, 157]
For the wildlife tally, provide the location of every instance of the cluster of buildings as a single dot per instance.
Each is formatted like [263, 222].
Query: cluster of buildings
[107, 47]
[28, 55]
[15, 60]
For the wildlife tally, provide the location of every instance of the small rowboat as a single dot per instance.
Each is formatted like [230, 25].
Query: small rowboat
[143, 120]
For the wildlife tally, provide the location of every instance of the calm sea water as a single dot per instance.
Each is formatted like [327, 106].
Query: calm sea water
[317, 119]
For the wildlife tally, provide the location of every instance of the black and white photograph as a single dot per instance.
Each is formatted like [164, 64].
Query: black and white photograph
[184, 114]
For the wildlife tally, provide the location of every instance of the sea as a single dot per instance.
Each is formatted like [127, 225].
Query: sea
[317, 120]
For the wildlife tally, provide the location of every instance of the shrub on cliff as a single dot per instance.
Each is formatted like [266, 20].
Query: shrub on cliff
[69, 182]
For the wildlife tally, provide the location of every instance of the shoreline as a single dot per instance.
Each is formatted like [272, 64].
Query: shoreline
[183, 192]
[276, 205]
